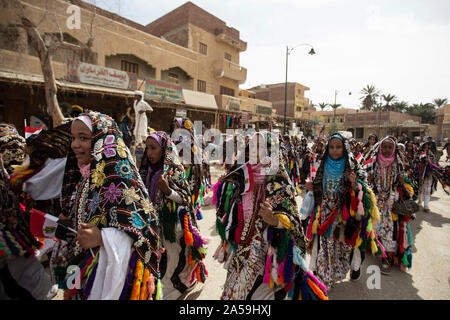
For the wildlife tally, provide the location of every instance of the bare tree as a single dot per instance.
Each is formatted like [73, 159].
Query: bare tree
[46, 45]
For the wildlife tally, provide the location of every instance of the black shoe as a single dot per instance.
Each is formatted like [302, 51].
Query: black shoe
[355, 275]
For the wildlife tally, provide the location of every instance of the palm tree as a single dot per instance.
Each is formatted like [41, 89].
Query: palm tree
[399, 106]
[370, 94]
[440, 102]
[388, 99]
[323, 105]
[334, 106]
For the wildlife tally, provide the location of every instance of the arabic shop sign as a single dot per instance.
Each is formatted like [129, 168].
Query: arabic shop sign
[163, 91]
[263, 110]
[101, 76]
[233, 104]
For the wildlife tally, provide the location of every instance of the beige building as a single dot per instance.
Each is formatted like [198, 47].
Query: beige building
[180, 61]
[443, 122]
[362, 123]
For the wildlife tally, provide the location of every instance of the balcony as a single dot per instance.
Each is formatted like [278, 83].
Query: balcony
[230, 39]
[226, 69]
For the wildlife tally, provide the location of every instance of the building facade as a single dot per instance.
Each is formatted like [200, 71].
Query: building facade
[297, 105]
[180, 61]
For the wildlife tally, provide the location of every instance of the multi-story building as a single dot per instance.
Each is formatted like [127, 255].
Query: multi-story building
[186, 62]
[298, 107]
[442, 116]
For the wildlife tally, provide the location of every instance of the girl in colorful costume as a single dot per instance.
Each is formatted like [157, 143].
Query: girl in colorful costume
[104, 199]
[263, 243]
[427, 174]
[181, 263]
[385, 166]
[342, 224]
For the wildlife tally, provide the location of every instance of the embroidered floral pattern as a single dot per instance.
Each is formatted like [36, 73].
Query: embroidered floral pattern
[131, 196]
[121, 148]
[123, 169]
[95, 202]
[112, 193]
[98, 177]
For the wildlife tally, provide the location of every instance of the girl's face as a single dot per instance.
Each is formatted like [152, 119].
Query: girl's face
[425, 148]
[336, 148]
[81, 143]
[372, 140]
[154, 151]
[409, 146]
[387, 148]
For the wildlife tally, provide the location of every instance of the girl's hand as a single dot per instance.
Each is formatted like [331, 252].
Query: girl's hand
[89, 236]
[163, 185]
[352, 179]
[266, 214]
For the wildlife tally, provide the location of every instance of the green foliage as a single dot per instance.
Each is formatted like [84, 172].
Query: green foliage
[424, 111]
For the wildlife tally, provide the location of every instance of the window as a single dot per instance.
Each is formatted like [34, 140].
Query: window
[228, 56]
[129, 67]
[173, 77]
[299, 91]
[203, 48]
[226, 91]
[201, 85]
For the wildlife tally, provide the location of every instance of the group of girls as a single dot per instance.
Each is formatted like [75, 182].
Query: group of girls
[133, 232]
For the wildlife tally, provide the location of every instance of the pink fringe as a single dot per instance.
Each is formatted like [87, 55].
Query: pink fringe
[266, 278]
[316, 281]
[215, 190]
[360, 204]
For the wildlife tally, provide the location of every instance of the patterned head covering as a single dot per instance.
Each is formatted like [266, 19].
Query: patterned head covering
[350, 165]
[115, 195]
[173, 169]
[12, 147]
[372, 157]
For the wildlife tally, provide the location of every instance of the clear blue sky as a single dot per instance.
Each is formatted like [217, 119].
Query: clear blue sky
[400, 46]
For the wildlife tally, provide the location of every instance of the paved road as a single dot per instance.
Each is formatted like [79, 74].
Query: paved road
[429, 278]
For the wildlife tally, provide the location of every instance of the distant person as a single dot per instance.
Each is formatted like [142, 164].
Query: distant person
[432, 145]
[141, 108]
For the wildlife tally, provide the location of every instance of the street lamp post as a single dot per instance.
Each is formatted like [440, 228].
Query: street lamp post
[288, 51]
[335, 94]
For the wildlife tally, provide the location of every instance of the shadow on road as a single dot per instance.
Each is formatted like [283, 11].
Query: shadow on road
[396, 286]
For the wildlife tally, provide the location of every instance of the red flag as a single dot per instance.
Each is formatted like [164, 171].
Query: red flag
[29, 131]
[43, 225]
[248, 177]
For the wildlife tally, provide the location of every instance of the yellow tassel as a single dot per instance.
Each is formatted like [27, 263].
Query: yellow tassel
[285, 220]
[394, 216]
[374, 247]
[358, 241]
[374, 212]
[315, 226]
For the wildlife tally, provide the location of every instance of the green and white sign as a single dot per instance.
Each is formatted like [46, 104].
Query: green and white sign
[163, 91]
